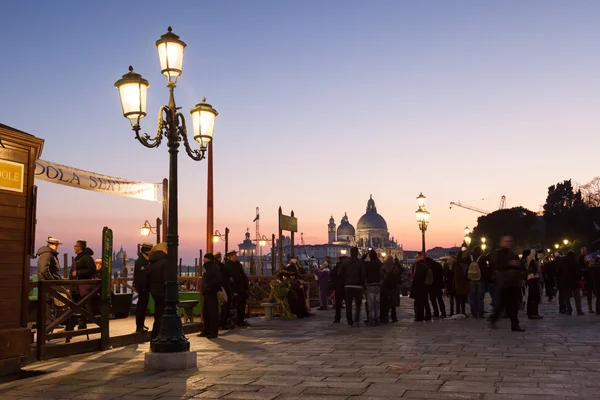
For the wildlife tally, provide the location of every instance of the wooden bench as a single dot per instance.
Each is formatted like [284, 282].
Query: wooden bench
[188, 309]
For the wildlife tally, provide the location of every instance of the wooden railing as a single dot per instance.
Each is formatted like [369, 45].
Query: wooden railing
[54, 296]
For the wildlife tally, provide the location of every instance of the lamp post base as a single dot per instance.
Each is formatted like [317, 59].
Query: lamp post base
[170, 338]
[170, 361]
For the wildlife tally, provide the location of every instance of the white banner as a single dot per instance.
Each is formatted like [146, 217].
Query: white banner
[63, 175]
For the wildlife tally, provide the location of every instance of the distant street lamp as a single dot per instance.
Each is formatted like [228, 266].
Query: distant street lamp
[343, 252]
[467, 231]
[171, 125]
[556, 246]
[262, 242]
[468, 240]
[146, 229]
[383, 254]
[483, 246]
[566, 242]
[422, 218]
[218, 236]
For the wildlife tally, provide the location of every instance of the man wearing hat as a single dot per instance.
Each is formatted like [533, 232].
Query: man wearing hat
[240, 285]
[48, 266]
[211, 285]
[140, 283]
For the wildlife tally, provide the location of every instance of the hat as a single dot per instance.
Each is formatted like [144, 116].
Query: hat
[159, 247]
[218, 254]
[209, 256]
[230, 252]
[146, 247]
[52, 240]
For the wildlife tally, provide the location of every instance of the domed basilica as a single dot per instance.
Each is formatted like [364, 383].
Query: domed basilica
[372, 232]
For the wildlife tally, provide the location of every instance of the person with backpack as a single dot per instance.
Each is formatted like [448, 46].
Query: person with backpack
[436, 289]
[373, 287]
[461, 284]
[390, 289]
[422, 278]
[476, 283]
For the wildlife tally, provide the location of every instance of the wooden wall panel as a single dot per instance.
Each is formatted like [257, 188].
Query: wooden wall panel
[12, 223]
[12, 234]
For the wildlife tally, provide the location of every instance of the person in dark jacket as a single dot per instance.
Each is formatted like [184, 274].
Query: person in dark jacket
[226, 284]
[211, 285]
[570, 276]
[588, 285]
[140, 283]
[419, 290]
[449, 265]
[157, 276]
[595, 276]
[562, 291]
[48, 266]
[352, 271]
[509, 273]
[477, 283]
[84, 267]
[390, 289]
[337, 285]
[239, 285]
[436, 289]
[461, 284]
[549, 277]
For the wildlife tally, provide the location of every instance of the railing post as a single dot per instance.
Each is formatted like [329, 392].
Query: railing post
[66, 266]
[107, 237]
[41, 320]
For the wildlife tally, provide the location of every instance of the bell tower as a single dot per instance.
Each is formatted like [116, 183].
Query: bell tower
[331, 230]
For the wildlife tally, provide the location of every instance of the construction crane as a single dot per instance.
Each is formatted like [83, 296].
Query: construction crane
[479, 210]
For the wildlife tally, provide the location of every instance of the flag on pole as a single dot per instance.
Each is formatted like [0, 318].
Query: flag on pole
[257, 218]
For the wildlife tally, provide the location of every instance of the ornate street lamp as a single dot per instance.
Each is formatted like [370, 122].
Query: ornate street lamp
[422, 218]
[218, 236]
[171, 125]
[262, 241]
[147, 229]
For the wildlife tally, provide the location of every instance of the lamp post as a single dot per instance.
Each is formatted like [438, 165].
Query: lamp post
[422, 218]
[467, 238]
[171, 125]
[262, 242]
[146, 229]
[218, 236]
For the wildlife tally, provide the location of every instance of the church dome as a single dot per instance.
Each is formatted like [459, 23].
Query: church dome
[371, 220]
[345, 229]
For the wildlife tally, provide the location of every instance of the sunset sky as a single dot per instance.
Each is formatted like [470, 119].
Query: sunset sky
[321, 103]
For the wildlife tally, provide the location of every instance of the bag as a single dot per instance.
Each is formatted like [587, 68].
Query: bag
[474, 272]
[222, 296]
[429, 277]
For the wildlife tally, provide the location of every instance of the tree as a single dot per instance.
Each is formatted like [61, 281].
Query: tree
[562, 197]
[590, 192]
[520, 223]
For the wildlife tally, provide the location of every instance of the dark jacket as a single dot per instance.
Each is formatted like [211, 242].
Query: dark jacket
[226, 279]
[418, 287]
[570, 271]
[140, 276]
[157, 273]
[211, 279]
[337, 282]
[352, 271]
[240, 285]
[507, 267]
[438, 273]
[85, 266]
[449, 278]
[461, 283]
[48, 266]
[373, 272]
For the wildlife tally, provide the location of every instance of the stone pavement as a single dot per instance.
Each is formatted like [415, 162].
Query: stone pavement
[557, 358]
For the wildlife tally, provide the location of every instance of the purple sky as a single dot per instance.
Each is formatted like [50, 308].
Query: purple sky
[320, 103]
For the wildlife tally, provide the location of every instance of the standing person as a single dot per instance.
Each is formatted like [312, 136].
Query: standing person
[461, 284]
[588, 285]
[239, 286]
[436, 289]
[595, 277]
[48, 266]
[140, 283]
[373, 287]
[508, 275]
[211, 285]
[560, 264]
[419, 290]
[532, 266]
[449, 265]
[352, 271]
[476, 284]
[84, 267]
[390, 289]
[225, 283]
[322, 274]
[549, 272]
[570, 277]
[156, 271]
[337, 284]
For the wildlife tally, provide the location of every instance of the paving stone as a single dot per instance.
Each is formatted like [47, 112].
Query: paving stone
[251, 395]
[413, 394]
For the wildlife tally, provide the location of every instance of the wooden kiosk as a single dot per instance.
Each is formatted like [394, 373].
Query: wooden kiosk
[18, 153]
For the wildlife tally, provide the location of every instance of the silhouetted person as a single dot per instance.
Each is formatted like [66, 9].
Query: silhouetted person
[211, 285]
[352, 271]
[140, 283]
[436, 290]
[157, 276]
